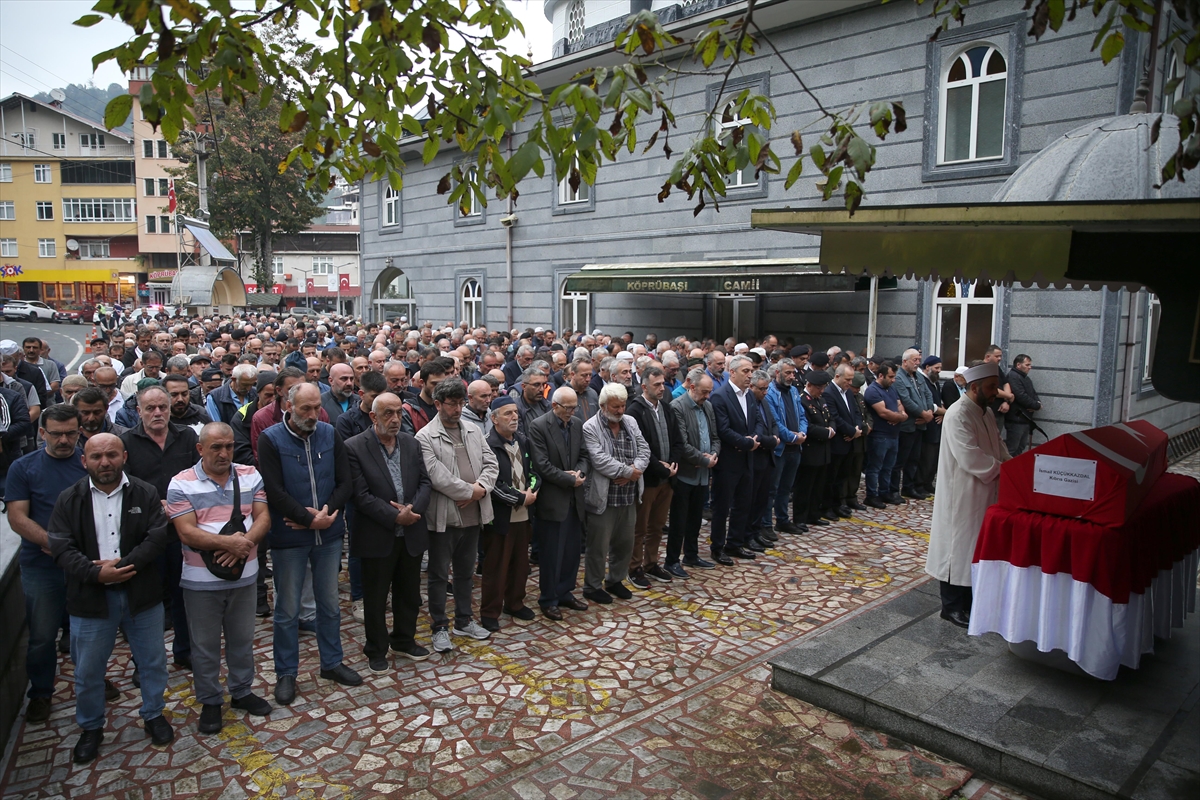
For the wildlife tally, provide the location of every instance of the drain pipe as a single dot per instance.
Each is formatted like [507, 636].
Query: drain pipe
[508, 250]
[873, 315]
[1131, 329]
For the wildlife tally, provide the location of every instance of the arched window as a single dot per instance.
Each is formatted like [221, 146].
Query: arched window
[973, 105]
[472, 303]
[575, 22]
[393, 295]
[729, 122]
[574, 309]
[1176, 70]
[962, 322]
[391, 207]
[580, 194]
[469, 205]
[1150, 334]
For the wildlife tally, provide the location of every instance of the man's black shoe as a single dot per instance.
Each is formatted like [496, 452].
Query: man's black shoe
[159, 731]
[64, 644]
[573, 603]
[738, 552]
[210, 718]
[379, 665]
[88, 746]
[958, 618]
[818, 521]
[875, 502]
[184, 662]
[830, 515]
[893, 499]
[768, 535]
[490, 624]
[755, 545]
[263, 610]
[252, 704]
[524, 612]
[787, 527]
[845, 512]
[553, 613]
[801, 528]
[598, 596]
[698, 563]
[855, 505]
[111, 692]
[914, 495]
[343, 675]
[137, 679]
[719, 557]
[285, 690]
[38, 709]
[618, 590]
[414, 652]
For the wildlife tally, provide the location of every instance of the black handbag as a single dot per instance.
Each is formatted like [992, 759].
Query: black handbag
[236, 524]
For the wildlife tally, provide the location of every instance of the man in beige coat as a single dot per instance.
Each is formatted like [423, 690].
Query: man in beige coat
[968, 480]
[462, 469]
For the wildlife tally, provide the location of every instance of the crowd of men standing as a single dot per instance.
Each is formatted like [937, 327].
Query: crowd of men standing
[149, 484]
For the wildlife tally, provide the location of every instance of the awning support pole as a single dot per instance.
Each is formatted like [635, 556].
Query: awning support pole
[873, 315]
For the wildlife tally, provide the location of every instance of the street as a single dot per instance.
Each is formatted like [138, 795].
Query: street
[68, 343]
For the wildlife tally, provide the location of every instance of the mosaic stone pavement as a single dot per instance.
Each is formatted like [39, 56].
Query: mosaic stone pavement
[666, 695]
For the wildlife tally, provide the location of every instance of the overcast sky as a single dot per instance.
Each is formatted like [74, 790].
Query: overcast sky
[40, 49]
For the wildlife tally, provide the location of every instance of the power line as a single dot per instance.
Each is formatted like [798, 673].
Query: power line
[84, 87]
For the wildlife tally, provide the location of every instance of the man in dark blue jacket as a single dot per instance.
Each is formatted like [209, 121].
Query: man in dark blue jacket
[737, 417]
[848, 426]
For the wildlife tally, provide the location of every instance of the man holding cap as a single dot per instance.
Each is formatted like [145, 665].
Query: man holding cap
[968, 482]
[814, 458]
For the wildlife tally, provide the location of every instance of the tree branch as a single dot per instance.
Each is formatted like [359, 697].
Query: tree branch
[795, 74]
[737, 57]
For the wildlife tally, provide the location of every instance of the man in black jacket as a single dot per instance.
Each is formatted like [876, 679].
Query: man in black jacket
[158, 451]
[1020, 410]
[814, 458]
[391, 495]
[506, 537]
[371, 384]
[761, 534]
[183, 410]
[848, 424]
[107, 532]
[560, 460]
[653, 416]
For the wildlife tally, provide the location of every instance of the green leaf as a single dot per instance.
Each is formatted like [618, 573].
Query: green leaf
[88, 20]
[1112, 46]
[523, 160]
[430, 150]
[117, 111]
[794, 173]
[861, 156]
[854, 196]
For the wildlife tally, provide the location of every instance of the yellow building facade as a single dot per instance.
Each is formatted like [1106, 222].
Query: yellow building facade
[69, 224]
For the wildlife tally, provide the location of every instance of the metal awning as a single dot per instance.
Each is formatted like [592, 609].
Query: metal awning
[747, 276]
[1047, 243]
[210, 243]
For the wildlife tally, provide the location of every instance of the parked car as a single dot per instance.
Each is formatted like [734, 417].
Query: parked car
[72, 314]
[32, 310]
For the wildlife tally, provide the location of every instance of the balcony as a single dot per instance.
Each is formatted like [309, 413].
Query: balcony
[114, 148]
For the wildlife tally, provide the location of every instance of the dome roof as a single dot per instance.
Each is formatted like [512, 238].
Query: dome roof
[1112, 159]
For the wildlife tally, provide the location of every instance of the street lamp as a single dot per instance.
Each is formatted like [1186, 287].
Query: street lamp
[337, 280]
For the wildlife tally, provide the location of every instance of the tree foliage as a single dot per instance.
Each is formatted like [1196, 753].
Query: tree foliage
[385, 70]
[247, 191]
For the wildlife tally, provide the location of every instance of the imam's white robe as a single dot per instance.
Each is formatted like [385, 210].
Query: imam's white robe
[968, 479]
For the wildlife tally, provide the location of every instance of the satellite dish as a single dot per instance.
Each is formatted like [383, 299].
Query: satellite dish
[58, 95]
[72, 245]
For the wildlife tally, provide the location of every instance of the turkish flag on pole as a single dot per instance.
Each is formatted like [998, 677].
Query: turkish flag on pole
[344, 280]
[171, 198]
[309, 284]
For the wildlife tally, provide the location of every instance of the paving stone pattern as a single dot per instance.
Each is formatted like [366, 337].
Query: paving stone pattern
[666, 695]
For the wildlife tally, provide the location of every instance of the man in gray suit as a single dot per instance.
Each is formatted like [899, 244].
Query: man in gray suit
[391, 493]
[561, 460]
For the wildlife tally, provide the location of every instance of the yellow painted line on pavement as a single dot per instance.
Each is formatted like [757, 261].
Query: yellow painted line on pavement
[720, 619]
[560, 694]
[247, 750]
[906, 531]
[860, 576]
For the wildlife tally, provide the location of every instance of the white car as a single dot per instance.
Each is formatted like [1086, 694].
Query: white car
[32, 310]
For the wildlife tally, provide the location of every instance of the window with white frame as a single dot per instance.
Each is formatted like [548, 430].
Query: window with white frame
[391, 207]
[157, 186]
[91, 141]
[41, 173]
[727, 124]
[962, 321]
[47, 248]
[164, 223]
[469, 205]
[93, 248]
[973, 105]
[1176, 70]
[27, 139]
[164, 148]
[276, 265]
[147, 148]
[117, 209]
[574, 307]
[1150, 335]
[8, 211]
[322, 265]
[151, 224]
[8, 248]
[576, 22]
[45, 210]
[5, 172]
[472, 303]
[578, 194]
[59, 141]
[150, 185]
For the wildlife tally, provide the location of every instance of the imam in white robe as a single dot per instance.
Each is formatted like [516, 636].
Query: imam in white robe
[968, 479]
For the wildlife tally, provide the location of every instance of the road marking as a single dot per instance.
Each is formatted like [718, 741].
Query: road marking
[860, 576]
[720, 620]
[893, 528]
[559, 693]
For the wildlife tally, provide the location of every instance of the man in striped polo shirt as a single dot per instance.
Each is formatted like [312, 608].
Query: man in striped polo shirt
[200, 503]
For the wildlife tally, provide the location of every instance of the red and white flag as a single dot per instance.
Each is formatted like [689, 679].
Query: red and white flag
[171, 198]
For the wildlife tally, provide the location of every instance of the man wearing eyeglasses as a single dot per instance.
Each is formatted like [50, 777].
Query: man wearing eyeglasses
[34, 483]
[106, 380]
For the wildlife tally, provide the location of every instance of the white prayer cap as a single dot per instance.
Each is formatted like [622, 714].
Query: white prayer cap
[470, 342]
[741, 347]
[624, 355]
[981, 371]
[962, 370]
[762, 351]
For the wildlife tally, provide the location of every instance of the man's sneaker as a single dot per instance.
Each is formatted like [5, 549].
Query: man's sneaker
[356, 610]
[638, 578]
[38, 709]
[379, 665]
[490, 624]
[472, 629]
[441, 641]
[656, 572]
[698, 563]
[414, 652]
[677, 570]
[210, 718]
